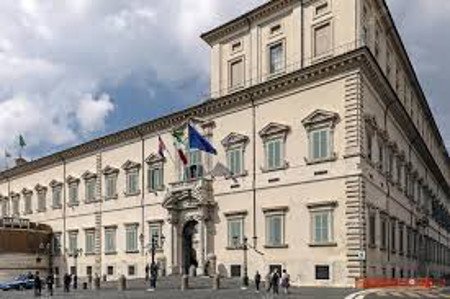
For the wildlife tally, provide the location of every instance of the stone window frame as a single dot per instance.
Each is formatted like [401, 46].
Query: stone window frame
[393, 234]
[384, 226]
[319, 5]
[110, 172]
[41, 192]
[56, 186]
[71, 251]
[110, 228]
[281, 41]
[28, 201]
[155, 161]
[90, 178]
[382, 142]
[372, 239]
[276, 212]
[236, 141]
[275, 131]
[15, 202]
[131, 167]
[89, 231]
[158, 224]
[4, 200]
[328, 207]
[401, 237]
[235, 216]
[57, 243]
[73, 183]
[400, 170]
[326, 22]
[237, 46]
[321, 119]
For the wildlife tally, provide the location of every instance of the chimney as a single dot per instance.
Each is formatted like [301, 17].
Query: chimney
[20, 161]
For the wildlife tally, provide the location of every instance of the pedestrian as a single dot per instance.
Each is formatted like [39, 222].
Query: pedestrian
[257, 281]
[75, 281]
[147, 270]
[50, 282]
[37, 285]
[66, 282]
[275, 281]
[285, 281]
[269, 281]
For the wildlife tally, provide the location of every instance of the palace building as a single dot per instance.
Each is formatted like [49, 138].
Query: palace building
[329, 163]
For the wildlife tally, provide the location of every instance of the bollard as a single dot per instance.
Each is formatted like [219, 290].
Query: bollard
[184, 282]
[122, 283]
[96, 282]
[216, 282]
[105, 277]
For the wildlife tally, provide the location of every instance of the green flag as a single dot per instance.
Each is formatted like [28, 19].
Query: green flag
[22, 141]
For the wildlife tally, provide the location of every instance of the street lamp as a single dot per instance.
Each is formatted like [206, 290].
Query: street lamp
[153, 268]
[244, 248]
[77, 252]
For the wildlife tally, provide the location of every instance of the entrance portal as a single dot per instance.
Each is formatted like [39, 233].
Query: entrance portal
[189, 252]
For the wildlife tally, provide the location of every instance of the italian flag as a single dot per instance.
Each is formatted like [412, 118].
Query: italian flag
[179, 144]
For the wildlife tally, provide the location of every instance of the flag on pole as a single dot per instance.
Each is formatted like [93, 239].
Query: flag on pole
[197, 141]
[178, 136]
[161, 147]
[7, 154]
[22, 141]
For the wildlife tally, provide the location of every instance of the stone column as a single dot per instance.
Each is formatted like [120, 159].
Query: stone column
[201, 262]
[173, 239]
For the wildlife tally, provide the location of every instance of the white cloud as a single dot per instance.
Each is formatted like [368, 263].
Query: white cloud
[91, 112]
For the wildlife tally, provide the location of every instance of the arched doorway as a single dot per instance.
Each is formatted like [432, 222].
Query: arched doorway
[189, 253]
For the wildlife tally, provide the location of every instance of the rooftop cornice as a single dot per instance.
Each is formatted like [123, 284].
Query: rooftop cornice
[242, 21]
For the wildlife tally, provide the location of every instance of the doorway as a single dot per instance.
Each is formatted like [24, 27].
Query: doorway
[189, 252]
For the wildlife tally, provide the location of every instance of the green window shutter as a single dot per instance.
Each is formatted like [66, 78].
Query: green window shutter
[316, 145]
[324, 144]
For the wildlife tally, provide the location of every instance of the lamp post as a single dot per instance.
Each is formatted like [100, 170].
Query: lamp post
[153, 268]
[77, 252]
[244, 247]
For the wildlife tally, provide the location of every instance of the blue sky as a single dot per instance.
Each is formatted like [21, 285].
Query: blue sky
[75, 70]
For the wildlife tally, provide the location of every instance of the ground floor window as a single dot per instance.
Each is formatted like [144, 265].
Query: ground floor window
[235, 270]
[110, 270]
[322, 272]
[274, 267]
[89, 270]
[131, 270]
[72, 270]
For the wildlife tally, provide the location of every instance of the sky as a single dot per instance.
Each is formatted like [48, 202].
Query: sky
[73, 70]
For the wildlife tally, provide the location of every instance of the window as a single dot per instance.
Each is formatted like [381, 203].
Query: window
[274, 230]
[110, 240]
[274, 137]
[400, 238]
[237, 73]
[41, 195]
[111, 186]
[235, 231]
[369, 137]
[73, 190]
[90, 190]
[90, 241]
[155, 233]
[322, 227]
[5, 206]
[235, 270]
[56, 194]
[380, 154]
[275, 29]
[322, 272]
[384, 231]
[57, 243]
[322, 40]
[131, 270]
[73, 242]
[393, 236]
[110, 270]
[234, 145]
[15, 204]
[274, 154]
[372, 228]
[194, 170]
[131, 238]
[399, 172]
[276, 58]
[132, 177]
[236, 46]
[155, 178]
[321, 8]
[89, 270]
[320, 144]
[27, 194]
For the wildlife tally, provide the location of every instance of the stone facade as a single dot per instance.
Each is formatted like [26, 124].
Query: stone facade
[324, 162]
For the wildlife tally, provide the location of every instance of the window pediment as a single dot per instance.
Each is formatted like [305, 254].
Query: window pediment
[40, 188]
[89, 175]
[55, 183]
[108, 170]
[274, 129]
[320, 117]
[154, 158]
[129, 165]
[14, 195]
[234, 139]
[26, 191]
[72, 180]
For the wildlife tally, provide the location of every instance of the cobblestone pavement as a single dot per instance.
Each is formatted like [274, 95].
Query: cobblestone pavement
[409, 293]
[200, 289]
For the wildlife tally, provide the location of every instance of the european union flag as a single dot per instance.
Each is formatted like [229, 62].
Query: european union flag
[197, 141]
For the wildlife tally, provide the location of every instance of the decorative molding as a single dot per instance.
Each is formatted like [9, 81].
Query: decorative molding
[88, 175]
[26, 191]
[282, 209]
[55, 183]
[272, 129]
[241, 213]
[234, 139]
[72, 180]
[321, 117]
[108, 170]
[154, 158]
[130, 165]
[322, 204]
[40, 188]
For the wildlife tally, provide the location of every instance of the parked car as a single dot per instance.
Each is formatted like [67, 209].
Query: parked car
[20, 282]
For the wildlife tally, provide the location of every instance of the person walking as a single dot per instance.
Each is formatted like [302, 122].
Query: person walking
[269, 281]
[257, 281]
[275, 281]
[66, 283]
[37, 285]
[50, 282]
[75, 281]
[285, 281]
